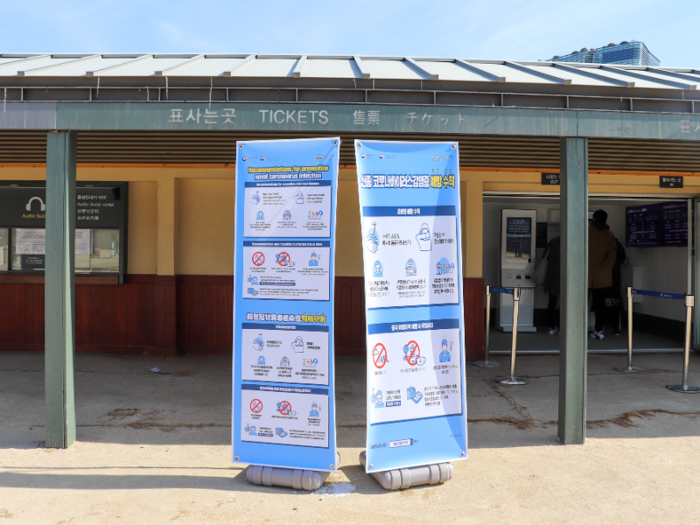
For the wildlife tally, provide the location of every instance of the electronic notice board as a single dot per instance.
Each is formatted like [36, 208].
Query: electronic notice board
[656, 225]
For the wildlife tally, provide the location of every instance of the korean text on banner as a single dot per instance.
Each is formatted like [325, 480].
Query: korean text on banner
[416, 385]
[283, 369]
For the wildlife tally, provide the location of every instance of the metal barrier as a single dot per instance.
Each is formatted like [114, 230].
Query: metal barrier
[512, 379]
[685, 388]
[689, 304]
[487, 336]
[629, 367]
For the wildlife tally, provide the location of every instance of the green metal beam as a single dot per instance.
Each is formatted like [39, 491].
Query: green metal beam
[574, 290]
[370, 118]
[59, 289]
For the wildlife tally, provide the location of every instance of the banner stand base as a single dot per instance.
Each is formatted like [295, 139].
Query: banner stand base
[412, 476]
[286, 477]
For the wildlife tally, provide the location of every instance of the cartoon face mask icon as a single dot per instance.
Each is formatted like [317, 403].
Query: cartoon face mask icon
[260, 216]
[378, 270]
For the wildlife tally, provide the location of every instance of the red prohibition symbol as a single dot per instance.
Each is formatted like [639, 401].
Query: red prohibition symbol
[256, 406]
[258, 258]
[283, 259]
[379, 355]
[414, 353]
[285, 408]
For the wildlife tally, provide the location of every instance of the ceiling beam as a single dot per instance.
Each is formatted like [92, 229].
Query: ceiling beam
[98, 72]
[41, 70]
[647, 78]
[299, 68]
[537, 73]
[595, 76]
[186, 63]
[421, 69]
[478, 71]
[246, 61]
[361, 66]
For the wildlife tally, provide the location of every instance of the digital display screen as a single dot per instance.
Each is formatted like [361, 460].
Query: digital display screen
[518, 237]
[656, 225]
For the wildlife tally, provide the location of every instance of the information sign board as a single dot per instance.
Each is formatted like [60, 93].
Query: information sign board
[283, 395]
[416, 400]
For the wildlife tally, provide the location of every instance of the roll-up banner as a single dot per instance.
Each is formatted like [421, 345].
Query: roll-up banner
[283, 370]
[416, 384]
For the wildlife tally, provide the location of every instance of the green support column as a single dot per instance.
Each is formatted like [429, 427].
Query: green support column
[59, 289]
[574, 290]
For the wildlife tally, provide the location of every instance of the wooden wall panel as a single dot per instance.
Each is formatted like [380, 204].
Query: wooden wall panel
[349, 315]
[205, 314]
[125, 318]
[474, 318]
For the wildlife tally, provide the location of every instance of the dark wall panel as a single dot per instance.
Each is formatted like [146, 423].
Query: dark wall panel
[134, 318]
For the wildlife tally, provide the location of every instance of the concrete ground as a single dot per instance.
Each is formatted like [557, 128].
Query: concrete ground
[156, 449]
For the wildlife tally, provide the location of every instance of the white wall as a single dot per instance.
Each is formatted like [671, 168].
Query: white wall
[663, 269]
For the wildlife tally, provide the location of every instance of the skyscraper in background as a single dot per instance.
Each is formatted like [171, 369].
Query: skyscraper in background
[625, 53]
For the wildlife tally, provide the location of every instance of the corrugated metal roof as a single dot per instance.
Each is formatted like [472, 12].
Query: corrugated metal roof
[346, 67]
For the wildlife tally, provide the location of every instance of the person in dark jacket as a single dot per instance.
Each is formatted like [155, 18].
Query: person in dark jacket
[616, 299]
[552, 283]
[602, 254]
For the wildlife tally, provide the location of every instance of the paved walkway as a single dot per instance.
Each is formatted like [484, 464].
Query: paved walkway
[156, 449]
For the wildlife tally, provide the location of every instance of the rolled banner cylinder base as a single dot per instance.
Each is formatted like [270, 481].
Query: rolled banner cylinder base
[413, 476]
[629, 369]
[286, 477]
[684, 389]
[486, 364]
[512, 380]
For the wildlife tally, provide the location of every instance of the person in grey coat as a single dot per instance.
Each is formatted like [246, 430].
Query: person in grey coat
[552, 283]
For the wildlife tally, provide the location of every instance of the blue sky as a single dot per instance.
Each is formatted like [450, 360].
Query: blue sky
[506, 29]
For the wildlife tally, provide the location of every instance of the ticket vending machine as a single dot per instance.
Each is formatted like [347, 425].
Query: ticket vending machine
[518, 256]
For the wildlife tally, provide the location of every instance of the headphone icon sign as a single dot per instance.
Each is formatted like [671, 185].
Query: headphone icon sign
[29, 204]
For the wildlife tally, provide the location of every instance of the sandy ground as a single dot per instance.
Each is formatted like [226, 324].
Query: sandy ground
[156, 449]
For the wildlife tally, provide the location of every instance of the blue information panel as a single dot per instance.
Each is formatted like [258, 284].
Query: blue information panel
[416, 385]
[283, 369]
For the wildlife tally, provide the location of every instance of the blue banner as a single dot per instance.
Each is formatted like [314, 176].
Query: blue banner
[416, 384]
[283, 368]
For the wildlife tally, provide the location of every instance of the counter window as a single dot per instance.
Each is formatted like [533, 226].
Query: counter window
[100, 228]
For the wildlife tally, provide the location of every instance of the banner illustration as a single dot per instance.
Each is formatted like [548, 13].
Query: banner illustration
[416, 399]
[283, 369]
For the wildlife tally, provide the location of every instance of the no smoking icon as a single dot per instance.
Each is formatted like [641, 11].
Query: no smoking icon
[379, 355]
[258, 258]
[256, 406]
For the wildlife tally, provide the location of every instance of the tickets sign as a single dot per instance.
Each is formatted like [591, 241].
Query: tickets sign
[283, 396]
[410, 213]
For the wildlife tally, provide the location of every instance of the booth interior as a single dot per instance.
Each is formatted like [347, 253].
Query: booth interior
[653, 231]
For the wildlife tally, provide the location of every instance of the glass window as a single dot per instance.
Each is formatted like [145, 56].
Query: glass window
[95, 250]
[28, 248]
[4, 249]
[105, 251]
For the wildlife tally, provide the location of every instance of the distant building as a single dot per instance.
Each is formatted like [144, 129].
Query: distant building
[625, 53]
